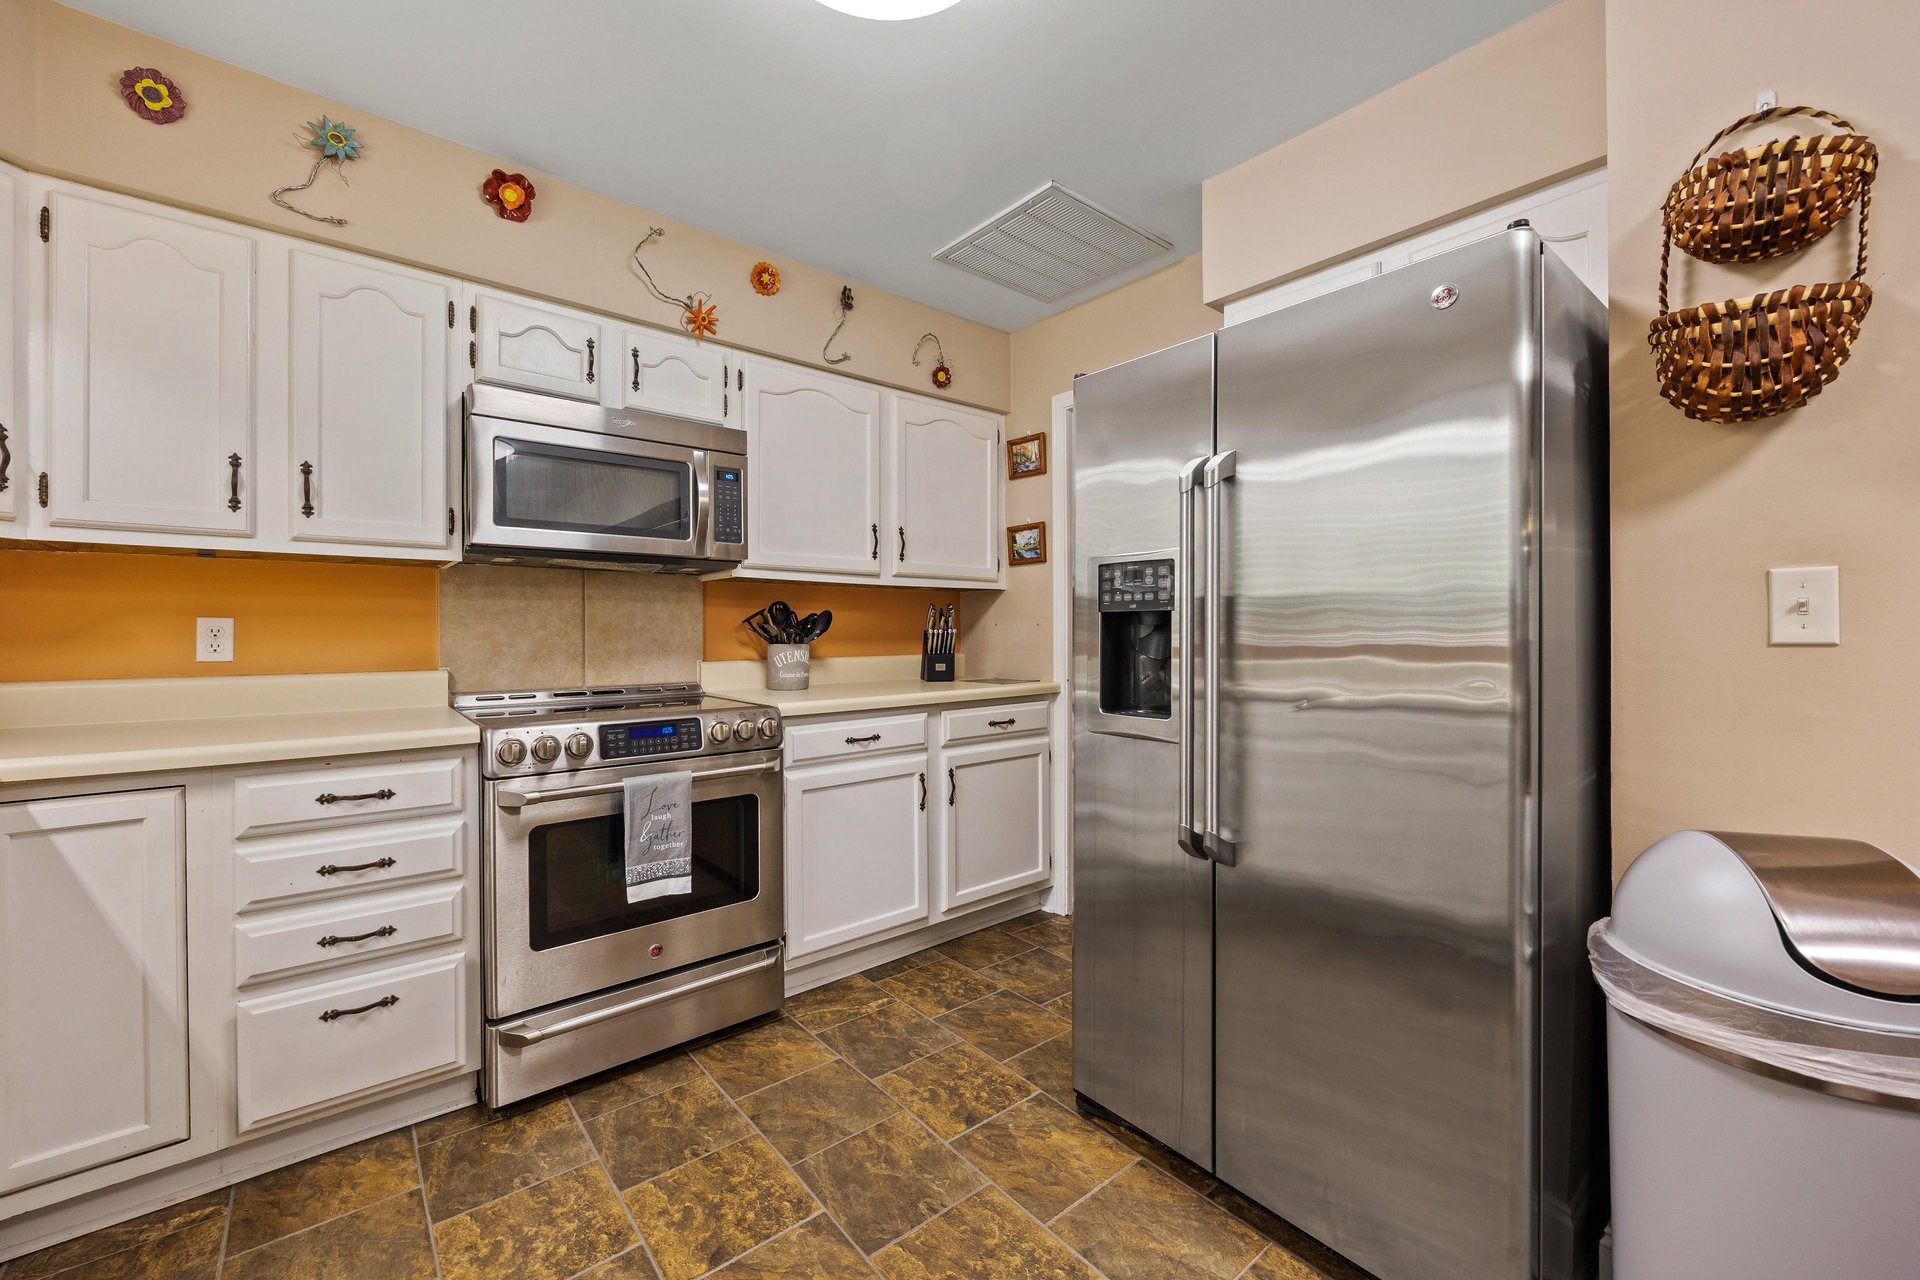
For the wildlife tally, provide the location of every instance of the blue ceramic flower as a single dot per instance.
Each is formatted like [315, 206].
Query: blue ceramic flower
[335, 140]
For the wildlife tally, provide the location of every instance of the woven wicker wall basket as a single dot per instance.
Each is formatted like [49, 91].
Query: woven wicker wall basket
[1772, 199]
[1750, 358]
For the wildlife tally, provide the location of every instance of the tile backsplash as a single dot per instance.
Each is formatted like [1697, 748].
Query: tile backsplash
[519, 627]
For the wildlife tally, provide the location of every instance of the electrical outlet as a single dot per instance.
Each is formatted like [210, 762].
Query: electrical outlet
[213, 640]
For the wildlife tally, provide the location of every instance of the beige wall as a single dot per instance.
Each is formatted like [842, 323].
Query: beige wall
[1009, 635]
[1712, 727]
[415, 198]
[1514, 112]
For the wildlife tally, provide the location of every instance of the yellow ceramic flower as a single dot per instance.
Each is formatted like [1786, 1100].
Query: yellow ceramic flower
[153, 95]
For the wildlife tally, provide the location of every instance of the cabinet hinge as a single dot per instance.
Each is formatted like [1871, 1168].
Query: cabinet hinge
[726, 404]
[43, 488]
[473, 355]
[46, 224]
[741, 375]
[449, 522]
[450, 313]
[473, 319]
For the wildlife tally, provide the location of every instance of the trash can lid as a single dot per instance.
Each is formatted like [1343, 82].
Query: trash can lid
[1825, 928]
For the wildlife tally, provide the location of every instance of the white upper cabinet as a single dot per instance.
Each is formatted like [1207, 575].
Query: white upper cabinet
[150, 361]
[814, 494]
[367, 383]
[538, 347]
[670, 373]
[93, 1029]
[943, 490]
[13, 435]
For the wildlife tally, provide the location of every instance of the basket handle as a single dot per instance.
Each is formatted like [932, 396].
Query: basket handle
[1866, 191]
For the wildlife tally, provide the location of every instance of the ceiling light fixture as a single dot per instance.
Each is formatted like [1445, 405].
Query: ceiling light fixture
[889, 10]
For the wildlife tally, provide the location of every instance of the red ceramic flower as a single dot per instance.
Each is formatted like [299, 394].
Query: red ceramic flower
[510, 194]
[942, 376]
[152, 96]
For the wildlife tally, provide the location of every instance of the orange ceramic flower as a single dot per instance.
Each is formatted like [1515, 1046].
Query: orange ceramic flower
[700, 320]
[766, 279]
[510, 194]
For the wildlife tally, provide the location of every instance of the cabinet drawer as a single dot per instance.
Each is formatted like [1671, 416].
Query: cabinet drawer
[343, 932]
[993, 722]
[842, 738]
[302, 1049]
[326, 864]
[338, 794]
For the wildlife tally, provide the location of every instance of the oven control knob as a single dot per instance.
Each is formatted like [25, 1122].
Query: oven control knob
[769, 728]
[546, 748]
[511, 751]
[720, 731]
[743, 730]
[579, 746]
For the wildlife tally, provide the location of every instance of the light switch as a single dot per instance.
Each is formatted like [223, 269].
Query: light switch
[1803, 605]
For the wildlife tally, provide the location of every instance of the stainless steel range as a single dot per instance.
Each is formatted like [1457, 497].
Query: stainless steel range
[578, 978]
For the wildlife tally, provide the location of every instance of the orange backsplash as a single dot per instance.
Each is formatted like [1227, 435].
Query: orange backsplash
[867, 621]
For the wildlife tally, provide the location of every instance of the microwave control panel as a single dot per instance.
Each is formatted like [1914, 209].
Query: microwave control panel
[649, 738]
[1136, 586]
[727, 486]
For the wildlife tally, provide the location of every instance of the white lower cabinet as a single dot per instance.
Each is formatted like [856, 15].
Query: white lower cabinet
[995, 836]
[856, 850]
[93, 981]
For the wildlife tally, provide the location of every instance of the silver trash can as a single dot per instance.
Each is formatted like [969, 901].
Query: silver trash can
[1763, 1051]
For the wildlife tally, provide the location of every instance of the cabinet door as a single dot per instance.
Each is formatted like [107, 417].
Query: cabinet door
[673, 374]
[93, 1001]
[814, 441]
[367, 376]
[150, 366]
[13, 433]
[943, 491]
[856, 850]
[996, 837]
[537, 347]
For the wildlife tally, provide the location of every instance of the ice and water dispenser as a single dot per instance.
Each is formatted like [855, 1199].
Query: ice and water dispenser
[1136, 637]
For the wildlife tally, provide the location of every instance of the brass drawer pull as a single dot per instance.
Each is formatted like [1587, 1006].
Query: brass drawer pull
[384, 1002]
[328, 797]
[861, 742]
[335, 939]
[334, 869]
[1001, 724]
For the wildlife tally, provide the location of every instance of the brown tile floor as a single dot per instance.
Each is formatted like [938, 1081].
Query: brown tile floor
[913, 1122]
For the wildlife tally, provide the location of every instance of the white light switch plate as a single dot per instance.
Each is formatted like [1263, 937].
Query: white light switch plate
[1803, 605]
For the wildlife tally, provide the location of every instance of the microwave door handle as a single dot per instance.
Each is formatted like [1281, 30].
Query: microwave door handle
[1184, 603]
[512, 800]
[1220, 469]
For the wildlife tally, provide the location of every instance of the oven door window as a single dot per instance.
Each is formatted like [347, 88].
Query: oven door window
[550, 486]
[577, 882]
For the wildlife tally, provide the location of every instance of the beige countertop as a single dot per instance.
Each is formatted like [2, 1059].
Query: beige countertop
[96, 728]
[841, 685]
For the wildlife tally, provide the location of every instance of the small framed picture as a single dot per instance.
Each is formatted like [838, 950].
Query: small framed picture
[1027, 543]
[1027, 456]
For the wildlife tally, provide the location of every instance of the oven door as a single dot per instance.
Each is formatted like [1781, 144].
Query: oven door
[552, 490]
[558, 921]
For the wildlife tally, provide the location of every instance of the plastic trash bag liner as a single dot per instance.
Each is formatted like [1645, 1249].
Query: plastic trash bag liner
[1874, 1065]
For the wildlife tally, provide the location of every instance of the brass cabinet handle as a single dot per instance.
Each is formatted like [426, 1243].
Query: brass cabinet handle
[861, 742]
[923, 793]
[589, 359]
[335, 939]
[334, 869]
[384, 1002]
[6, 458]
[233, 482]
[950, 788]
[636, 368]
[328, 797]
[1001, 724]
[306, 490]
[876, 540]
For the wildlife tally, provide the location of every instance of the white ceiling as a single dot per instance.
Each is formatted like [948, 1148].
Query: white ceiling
[859, 147]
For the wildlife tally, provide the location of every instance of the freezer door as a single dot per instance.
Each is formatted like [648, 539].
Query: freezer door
[1142, 908]
[1373, 1039]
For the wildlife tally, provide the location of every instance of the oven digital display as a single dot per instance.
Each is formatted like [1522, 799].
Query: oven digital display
[650, 730]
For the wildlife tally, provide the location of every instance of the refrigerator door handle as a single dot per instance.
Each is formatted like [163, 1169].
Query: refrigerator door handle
[1184, 604]
[1220, 469]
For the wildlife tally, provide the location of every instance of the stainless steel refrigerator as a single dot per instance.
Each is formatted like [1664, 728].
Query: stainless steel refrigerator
[1339, 731]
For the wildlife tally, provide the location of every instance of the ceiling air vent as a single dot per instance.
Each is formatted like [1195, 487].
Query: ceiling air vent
[1052, 244]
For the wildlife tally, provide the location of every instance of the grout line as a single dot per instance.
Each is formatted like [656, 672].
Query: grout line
[1242, 1273]
[226, 1233]
[315, 1226]
[426, 1209]
[619, 1193]
[1097, 1190]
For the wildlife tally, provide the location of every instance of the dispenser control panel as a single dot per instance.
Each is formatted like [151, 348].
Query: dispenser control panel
[1136, 586]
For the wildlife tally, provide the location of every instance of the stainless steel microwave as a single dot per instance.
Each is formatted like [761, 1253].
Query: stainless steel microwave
[552, 481]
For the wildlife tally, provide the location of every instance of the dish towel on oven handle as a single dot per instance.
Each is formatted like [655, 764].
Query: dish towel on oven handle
[659, 822]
